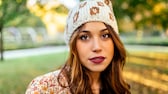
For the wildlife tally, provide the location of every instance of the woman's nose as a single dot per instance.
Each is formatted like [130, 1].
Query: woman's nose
[96, 45]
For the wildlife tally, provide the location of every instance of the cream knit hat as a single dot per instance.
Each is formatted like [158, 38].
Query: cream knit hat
[89, 10]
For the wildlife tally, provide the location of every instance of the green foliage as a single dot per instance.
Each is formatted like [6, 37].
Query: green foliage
[61, 9]
[145, 9]
[10, 9]
[25, 20]
[15, 13]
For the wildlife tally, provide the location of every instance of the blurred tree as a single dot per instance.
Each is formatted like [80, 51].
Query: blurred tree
[52, 13]
[144, 13]
[9, 10]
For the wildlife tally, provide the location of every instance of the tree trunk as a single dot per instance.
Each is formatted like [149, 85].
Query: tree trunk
[1, 42]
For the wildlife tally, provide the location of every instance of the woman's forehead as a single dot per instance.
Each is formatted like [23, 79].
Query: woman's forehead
[93, 26]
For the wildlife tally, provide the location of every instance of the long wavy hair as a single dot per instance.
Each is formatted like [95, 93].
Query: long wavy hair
[79, 79]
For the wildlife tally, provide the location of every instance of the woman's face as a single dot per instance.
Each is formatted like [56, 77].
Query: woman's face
[95, 46]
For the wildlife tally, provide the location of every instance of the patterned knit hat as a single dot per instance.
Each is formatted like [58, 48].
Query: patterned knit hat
[90, 10]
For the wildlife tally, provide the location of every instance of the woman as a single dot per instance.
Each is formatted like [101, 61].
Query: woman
[96, 57]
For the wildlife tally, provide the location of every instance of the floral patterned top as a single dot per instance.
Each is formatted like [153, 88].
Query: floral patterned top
[48, 84]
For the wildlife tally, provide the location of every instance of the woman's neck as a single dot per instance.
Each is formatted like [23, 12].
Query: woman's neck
[95, 77]
[95, 86]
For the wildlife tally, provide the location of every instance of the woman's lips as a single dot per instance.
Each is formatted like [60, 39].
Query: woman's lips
[97, 60]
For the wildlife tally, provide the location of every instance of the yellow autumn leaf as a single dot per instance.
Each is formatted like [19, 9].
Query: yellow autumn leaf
[159, 7]
[0, 2]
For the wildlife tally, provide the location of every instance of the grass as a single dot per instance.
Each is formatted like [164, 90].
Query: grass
[16, 74]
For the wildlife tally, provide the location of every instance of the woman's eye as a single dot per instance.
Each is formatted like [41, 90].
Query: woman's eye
[106, 36]
[84, 37]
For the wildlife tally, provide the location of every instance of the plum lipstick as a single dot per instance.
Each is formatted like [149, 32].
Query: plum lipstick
[97, 60]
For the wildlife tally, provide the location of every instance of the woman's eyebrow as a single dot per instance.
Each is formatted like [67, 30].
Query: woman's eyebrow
[84, 31]
[104, 29]
[87, 31]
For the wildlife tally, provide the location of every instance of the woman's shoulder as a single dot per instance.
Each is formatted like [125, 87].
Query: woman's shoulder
[48, 84]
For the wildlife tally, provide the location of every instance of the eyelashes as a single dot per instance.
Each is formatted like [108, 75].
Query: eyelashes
[106, 36]
[85, 37]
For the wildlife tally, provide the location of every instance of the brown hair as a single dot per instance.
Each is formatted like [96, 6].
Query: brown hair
[111, 78]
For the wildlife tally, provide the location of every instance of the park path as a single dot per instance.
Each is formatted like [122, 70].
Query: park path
[34, 51]
[55, 49]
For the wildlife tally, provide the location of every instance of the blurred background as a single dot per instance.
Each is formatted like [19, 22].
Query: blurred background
[32, 44]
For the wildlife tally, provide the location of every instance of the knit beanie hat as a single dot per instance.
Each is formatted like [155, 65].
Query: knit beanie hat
[87, 11]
